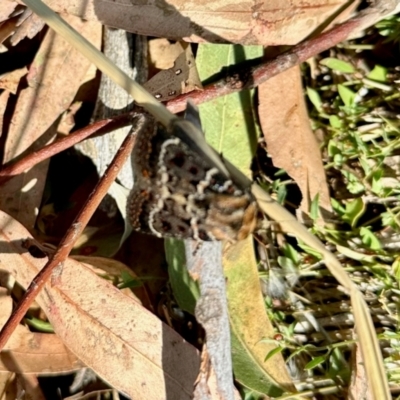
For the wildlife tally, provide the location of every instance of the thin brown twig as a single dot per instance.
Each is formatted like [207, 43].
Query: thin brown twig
[97, 128]
[71, 235]
[248, 78]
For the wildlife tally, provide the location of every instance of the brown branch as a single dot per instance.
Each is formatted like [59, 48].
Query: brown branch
[97, 128]
[252, 77]
[71, 235]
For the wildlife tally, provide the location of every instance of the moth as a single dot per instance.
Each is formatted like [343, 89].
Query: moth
[185, 189]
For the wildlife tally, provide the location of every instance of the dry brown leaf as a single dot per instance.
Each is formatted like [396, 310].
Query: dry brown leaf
[53, 80]
[163, 53]
[29, 24]
[28, 386]
[37, 353]
[115, 269]
[102, 264]
[121, 341]
[67, 121]
[290, 140]
[11, 80]
[13, 378]
[7, 7]
[4, 96]
[7, 28]
[8, 387]
[16, 386]
[33, 353]
[5, 305]
[181, 78]
[266, 23]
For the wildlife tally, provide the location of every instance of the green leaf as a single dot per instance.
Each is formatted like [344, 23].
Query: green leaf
[314, 209]
[286, 263]
[369, 239]
[250, 325]
[353, 184]
[396, 269]
[311, 251]
[338, 365]
[249, 372]
[315, 362]
[39, 325]
[282, 193]
[388, 219]
[277, 350]
[365, 165]
[315, 98]
[186, 290]
[333, 150]
[337, 207]
[290, 252]
[338, 65]
[335, 121]
[378, 74]
[338, 159]
[230, 129]
[229, 122]
[354, 210]
[128, 281]
[377, 184]
[347, 95]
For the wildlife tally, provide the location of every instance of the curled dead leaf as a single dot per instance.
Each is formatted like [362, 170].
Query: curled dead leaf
[265, 23]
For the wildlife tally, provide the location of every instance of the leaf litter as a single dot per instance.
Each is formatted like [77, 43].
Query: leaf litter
[123, 342]
[59, 306]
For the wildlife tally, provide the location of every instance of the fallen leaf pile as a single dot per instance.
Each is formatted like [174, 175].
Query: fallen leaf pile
[147, 319]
